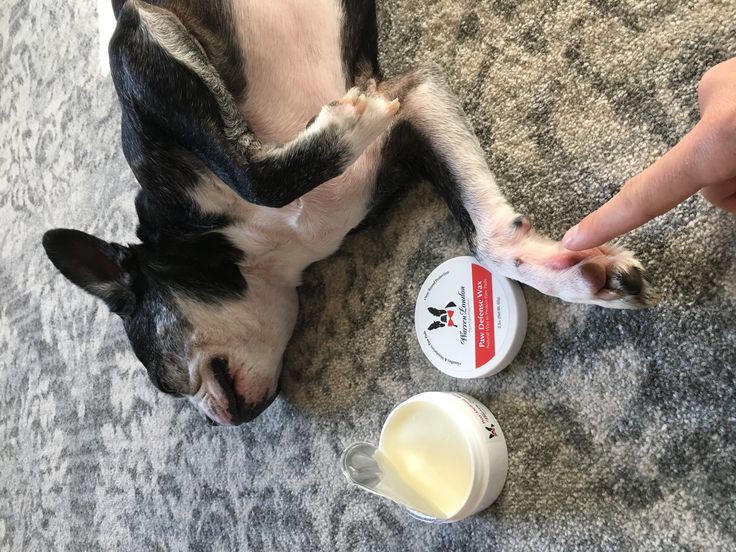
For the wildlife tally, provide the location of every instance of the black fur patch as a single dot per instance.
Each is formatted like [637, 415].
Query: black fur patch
[407, 156]
[183, 250]
[359, 40]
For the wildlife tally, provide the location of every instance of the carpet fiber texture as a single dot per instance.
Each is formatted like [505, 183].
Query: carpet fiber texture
[621, 426]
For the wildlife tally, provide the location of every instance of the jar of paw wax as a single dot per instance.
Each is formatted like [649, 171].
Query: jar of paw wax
[470, 322]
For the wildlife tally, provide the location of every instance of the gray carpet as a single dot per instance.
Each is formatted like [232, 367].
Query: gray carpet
[621, 426]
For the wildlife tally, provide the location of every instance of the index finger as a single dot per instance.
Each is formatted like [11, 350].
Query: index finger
[677, 175]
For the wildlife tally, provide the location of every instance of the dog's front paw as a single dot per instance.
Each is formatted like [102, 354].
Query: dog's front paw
[607, 276]
[358, 118]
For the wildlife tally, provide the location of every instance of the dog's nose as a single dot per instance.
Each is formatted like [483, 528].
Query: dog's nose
[219, 366]
[239, 410]
[244, 412]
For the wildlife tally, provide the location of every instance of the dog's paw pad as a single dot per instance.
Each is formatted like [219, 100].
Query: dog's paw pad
[620, 280]
[349, 111]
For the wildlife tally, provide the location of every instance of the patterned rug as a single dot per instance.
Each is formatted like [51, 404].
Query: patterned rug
[621, 426]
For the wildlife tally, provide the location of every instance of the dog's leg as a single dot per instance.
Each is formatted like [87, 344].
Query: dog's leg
[432, 137]
[173, 97]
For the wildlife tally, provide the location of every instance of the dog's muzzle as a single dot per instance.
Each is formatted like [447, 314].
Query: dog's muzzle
[238, 409]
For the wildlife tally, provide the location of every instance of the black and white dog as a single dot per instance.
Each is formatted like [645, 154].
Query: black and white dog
[261, 133]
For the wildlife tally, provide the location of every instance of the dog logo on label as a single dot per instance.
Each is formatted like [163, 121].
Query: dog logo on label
[491, 431]
[444, 317]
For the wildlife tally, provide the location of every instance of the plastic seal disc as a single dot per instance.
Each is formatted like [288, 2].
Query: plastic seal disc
[470, 323]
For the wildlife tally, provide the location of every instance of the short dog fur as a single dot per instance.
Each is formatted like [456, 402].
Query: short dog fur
[261, 133]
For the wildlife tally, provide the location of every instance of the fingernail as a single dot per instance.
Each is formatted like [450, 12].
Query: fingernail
[570, 237]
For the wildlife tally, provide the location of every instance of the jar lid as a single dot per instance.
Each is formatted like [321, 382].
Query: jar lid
[470, 322]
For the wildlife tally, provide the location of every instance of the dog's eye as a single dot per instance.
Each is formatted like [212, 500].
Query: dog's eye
[166, 388]
[163, 386]
[218, 364]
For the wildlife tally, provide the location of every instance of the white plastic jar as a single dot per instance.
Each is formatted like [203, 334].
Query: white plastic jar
[448, 448]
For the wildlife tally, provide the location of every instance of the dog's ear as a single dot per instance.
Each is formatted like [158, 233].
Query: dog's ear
[435, 325]
[100, 268]
[435, 312]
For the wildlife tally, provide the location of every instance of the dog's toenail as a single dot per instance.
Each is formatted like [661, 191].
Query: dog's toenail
[628, 280]
[360, 104]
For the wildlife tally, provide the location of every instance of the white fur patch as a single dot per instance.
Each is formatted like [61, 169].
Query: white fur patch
[251, 333]
[437, 113]
[280, 243]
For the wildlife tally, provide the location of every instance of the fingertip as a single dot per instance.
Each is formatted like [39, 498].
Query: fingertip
[581, 237]
[571, 238]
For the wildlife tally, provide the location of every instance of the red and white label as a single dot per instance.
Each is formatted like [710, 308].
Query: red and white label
[485, 335]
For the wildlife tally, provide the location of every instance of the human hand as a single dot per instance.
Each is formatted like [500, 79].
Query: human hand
[704, 160]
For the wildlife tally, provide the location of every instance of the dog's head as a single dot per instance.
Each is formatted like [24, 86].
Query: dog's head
[444, 316]
[199, 330]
